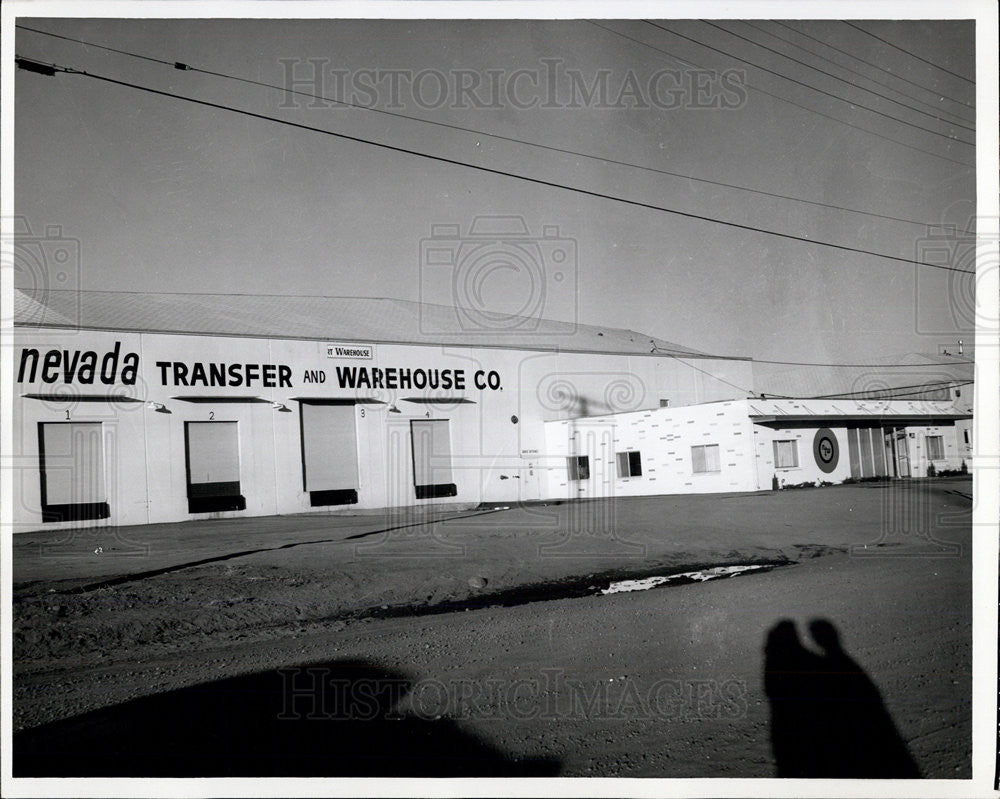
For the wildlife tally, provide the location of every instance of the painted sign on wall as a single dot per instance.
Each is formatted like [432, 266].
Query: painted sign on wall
[353, 352]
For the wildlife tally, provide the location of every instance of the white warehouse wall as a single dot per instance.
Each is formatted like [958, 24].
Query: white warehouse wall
[494, 459]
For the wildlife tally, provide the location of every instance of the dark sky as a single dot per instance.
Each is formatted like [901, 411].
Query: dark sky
[167, 196]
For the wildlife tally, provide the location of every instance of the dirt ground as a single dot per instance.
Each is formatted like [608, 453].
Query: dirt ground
[667, 682]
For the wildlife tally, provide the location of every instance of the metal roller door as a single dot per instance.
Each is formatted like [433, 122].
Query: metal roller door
[431, 447]
[213, 467]
[71, 466]
[329, 453]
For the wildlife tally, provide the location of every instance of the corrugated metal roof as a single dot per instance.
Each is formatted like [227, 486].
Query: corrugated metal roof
[363, 319]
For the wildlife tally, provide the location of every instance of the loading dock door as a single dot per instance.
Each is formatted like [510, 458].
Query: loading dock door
[329, 453]
[431, 446]
[213, 467]
[71, 466]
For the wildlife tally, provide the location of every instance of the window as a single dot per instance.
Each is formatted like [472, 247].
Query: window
[664, 403]
[965, 435]
[629, 464]
[786, 454]
[935, 448]
[578, 467]
[705, 458]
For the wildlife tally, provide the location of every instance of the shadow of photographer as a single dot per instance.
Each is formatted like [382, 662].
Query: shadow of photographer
[827, 716]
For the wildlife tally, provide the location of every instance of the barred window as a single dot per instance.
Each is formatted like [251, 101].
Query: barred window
[935, 448]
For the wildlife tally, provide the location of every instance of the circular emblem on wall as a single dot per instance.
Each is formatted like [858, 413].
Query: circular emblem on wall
[825, 450]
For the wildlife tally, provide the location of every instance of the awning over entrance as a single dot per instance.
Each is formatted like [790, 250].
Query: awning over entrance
[899, 413]
[888, 419]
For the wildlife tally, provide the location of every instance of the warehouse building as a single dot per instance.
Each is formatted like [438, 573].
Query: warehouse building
[142, 408]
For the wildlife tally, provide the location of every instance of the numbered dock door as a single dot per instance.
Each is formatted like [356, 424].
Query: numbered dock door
[213, 467]
[329, 453]
[71, 466]
[431, 446]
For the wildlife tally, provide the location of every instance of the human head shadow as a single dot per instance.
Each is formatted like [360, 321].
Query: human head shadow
[827, 716]
[327, 719]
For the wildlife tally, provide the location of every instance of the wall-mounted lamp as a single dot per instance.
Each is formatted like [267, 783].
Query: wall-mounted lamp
[159, 407]
[394, 409]
[280, 407]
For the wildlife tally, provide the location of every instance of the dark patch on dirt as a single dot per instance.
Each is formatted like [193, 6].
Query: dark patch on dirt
[576, 587]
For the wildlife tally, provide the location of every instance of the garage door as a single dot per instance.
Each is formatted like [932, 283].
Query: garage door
[431, 447]
[329, 453]
[71, 465]
[213, 467]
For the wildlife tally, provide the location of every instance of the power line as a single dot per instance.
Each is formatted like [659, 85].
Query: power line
[714, 376]
[875, 66]
[564, 151]
[836, 77]
[912, 55]
[814, 88]
[848, 69]
[896, 392]
[785, 100]
[489, 170]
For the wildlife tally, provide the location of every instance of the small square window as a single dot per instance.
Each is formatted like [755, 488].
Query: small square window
[578, 467]
[629, 464]
[786, 454]
[705, 458]
[664, 403]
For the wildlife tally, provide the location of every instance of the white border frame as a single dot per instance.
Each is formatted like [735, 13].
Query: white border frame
[986, 471]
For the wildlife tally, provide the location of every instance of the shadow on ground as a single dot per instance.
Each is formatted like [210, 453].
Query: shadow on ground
[324, 719]
[827, 716]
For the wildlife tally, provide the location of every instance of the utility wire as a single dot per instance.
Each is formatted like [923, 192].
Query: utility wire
[715, 377]
[33, 65]
[836, 77]
[813, 54]
[785, 100]
[876, 66]
[912, 55]
[810, 86]
[895, 392]
[188, 67]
